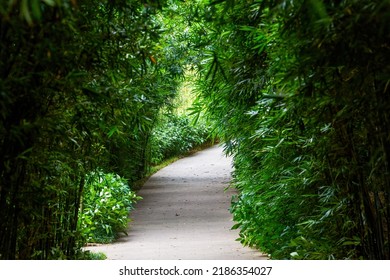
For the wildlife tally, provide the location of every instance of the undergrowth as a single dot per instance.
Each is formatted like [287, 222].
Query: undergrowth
[107, 202]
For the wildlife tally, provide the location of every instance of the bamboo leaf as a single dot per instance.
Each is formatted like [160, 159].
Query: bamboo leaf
[25, 11]
[36, 9]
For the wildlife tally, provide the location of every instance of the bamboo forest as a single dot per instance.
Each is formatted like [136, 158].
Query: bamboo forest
[94, 94]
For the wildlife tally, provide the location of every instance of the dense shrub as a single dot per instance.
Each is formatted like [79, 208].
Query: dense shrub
[107, 202]
[299, 91]
[81, 83]
[175, 135]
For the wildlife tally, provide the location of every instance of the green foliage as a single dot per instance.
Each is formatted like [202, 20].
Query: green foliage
[175, 135]
[299, 92]
[81, 84]
[107, 201]
[88, 255]
[343, 104]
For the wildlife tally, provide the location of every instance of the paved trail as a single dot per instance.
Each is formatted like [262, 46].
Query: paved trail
[184, 215]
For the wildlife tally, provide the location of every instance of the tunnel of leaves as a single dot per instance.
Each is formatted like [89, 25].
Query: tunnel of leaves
[297, 90]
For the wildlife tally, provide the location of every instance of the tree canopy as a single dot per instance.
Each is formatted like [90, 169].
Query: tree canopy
[81, 85]
[297, 91]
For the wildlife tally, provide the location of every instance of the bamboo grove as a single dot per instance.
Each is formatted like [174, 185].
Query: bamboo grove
[81, 83]
[296, 89]
[299, 90]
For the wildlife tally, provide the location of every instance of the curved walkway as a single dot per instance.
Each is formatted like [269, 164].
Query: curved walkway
[184, 215]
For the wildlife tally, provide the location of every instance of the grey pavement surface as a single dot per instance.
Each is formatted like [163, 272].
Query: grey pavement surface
[184, 215]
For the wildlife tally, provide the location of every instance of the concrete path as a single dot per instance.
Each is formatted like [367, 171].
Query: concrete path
[184, 215]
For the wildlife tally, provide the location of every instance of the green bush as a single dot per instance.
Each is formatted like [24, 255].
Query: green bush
[300, 93]
[176, 135]
[81, 85]
[107, 202]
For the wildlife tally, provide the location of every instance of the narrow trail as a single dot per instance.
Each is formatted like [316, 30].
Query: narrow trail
[184, 215]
